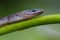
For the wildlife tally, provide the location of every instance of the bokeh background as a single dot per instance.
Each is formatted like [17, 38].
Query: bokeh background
[43, 32]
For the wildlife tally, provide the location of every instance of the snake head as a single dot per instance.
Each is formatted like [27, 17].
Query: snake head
[33, 12]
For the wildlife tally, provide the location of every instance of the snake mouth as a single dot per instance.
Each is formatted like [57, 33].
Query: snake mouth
[39, 13]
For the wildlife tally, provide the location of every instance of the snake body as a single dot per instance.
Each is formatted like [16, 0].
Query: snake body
[26, 14]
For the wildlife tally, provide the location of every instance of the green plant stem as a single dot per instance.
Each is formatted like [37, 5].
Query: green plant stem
[47, 19]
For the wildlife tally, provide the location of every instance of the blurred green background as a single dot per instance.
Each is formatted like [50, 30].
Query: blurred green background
[44, 32]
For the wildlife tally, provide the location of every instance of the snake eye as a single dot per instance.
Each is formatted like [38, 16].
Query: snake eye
[33, 10]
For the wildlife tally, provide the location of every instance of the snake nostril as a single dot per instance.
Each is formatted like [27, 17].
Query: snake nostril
[33, 10]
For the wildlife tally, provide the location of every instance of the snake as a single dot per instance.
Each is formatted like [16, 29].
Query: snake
[23, 15]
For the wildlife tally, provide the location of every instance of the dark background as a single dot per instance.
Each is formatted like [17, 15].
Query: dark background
[11, 6]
